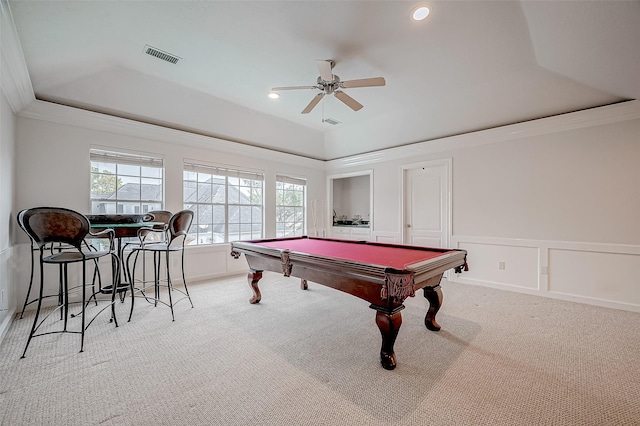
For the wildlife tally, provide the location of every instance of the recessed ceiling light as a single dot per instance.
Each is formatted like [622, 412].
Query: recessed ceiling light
[274, 95]
[420, 13]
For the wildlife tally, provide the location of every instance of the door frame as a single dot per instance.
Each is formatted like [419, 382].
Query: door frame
[448, 162]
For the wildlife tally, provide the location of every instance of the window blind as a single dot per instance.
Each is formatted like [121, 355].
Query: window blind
[101, 156]
[291, 180]
[221, 171]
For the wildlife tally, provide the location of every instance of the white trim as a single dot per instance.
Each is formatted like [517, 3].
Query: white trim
[566, 245]
[6, 323]
[16, 83]
[8, 275]
[608, 114]
[76, 117]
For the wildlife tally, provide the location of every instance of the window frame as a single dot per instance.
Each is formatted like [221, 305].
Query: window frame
[233, 181]
[123, 160]
[302, 229]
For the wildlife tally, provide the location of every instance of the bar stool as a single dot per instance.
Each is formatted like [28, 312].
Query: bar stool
[51, 225]
[176, 234]
[52, 248]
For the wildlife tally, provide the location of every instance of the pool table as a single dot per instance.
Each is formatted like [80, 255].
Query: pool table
[382, 274]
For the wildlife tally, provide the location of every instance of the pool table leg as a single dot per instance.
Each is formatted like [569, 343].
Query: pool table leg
[254, 277]
[389, 325]
[434, 296]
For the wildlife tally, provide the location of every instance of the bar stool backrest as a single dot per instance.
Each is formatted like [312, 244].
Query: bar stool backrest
[55, 225]
[163, 216]
[20, 219]
[149, 236]
[179, 224]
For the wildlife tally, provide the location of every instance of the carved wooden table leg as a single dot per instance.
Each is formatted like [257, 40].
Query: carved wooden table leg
[389, 325]
[434, 296]
[254, 277]
[304, 285]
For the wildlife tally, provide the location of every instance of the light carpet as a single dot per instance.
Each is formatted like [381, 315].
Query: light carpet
[311, 358]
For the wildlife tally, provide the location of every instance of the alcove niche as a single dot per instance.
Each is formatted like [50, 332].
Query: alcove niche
[350, 205]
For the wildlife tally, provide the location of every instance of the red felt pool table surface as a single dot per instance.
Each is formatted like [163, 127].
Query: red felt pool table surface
[394, 257]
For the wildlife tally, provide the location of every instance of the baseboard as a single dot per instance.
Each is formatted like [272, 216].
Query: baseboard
[6, 323]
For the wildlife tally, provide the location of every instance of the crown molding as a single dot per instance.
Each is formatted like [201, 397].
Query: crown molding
[15, 80]
[598, 116]
[47, 111]
[76, 117]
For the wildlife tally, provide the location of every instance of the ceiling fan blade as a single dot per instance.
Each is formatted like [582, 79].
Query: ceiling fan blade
[363, 82]
[277, 89]
[348, 100]
[313, 103]
[325, 68]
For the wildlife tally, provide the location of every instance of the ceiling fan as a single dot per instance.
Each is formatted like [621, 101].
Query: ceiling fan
[329, 83]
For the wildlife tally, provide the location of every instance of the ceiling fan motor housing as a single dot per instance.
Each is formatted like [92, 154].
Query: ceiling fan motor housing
[329, 86]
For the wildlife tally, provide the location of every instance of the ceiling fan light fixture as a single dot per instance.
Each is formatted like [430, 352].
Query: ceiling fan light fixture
[420, 12]
[274, 95]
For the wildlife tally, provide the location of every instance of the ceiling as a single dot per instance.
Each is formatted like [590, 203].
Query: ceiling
[469, 66]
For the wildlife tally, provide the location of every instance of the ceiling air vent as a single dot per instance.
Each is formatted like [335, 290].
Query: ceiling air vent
[150, 50]
[331, 121]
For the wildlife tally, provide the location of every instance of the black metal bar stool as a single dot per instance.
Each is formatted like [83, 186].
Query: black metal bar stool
[53, 247]
[50, 225]
[176, 233]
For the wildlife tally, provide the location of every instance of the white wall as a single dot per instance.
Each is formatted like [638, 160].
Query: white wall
[7, 146]
[569, 186]
[53, 169]
[556, 200]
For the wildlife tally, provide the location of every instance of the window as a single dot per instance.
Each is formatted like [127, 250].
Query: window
[123, 183]
[228, 204]
[290, 206]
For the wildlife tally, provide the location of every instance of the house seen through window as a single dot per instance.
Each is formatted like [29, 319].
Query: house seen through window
[228, 204]
[123, 183]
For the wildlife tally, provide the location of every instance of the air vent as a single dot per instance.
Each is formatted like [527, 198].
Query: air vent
[331, 121]
[150, 50]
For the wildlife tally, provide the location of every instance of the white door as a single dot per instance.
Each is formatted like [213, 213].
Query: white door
[427, 203]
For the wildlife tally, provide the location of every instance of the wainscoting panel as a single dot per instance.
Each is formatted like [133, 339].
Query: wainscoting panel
[592, 273]
[207, 262]
[503, 264]
[387, 238]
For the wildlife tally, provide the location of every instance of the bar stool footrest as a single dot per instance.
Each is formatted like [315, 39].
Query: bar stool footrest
[121, 288]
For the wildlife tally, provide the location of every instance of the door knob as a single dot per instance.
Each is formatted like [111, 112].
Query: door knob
[408, 225]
